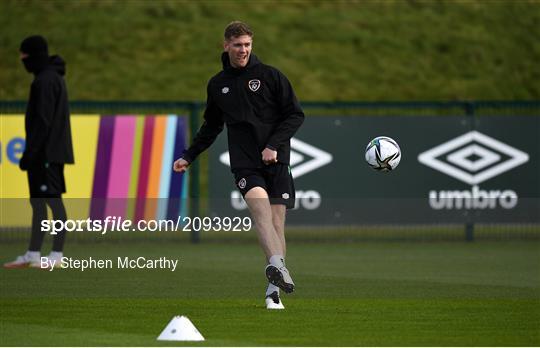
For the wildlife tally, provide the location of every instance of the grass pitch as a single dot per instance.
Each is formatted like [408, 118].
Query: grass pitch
[368, 294]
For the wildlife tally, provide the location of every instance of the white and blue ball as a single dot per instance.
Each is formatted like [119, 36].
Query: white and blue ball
[383, 154]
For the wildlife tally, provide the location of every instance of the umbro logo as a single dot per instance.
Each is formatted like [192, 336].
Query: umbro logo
[225, 90]
[304, 158]
[473, 158]
[254, 85]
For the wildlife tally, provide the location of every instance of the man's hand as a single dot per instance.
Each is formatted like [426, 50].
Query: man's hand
[180, 165]
[269, 156]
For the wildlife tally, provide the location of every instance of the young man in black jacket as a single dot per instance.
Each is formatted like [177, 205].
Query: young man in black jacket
[48, 146]
[260, 109]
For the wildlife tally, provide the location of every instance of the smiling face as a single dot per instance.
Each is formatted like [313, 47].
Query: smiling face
[239, 50]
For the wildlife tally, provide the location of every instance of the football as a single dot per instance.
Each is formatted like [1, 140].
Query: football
[383, 154]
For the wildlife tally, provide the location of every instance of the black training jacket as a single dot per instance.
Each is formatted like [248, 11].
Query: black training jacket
[260, 109]
[48, 130]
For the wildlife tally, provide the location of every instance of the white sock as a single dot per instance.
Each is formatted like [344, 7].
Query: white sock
[271, 288]
[33, 255]
[56, 254]
[277, 260]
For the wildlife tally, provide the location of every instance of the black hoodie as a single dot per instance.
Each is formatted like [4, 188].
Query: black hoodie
[260, 109]
[47, 125]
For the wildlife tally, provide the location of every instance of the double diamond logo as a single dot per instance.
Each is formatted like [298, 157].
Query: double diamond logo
[316, 158]
[473, 158]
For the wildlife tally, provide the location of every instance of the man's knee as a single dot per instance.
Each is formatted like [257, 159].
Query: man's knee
[259, 205]
[256, 192]
[57, 208]
[39, 205]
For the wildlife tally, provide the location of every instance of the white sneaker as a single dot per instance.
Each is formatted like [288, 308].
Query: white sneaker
[53, 260]
[23, 261]
[273, 301]
[280, 277]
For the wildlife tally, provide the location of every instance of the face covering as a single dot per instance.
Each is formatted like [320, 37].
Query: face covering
[35, 64]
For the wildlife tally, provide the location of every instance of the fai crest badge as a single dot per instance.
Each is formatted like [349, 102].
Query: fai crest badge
[242, 183]
[254, 85]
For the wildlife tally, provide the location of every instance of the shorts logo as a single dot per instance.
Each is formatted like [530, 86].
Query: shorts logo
[43, 188]
[254, 85]
[285, 196]
[225, 90]
[242, 183]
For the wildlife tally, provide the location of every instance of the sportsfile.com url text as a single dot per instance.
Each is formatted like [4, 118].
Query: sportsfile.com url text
[119, 224]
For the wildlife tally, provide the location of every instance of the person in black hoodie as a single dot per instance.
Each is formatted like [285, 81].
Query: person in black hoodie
[260, 109]
[48, 146]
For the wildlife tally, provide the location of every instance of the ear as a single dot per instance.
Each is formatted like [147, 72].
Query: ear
[226, 46]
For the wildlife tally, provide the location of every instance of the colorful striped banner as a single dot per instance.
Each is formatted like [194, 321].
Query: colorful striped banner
[123, 167]
[133, 176]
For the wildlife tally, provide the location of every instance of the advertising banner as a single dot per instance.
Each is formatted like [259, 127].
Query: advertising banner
[451, 171]
[123, 167]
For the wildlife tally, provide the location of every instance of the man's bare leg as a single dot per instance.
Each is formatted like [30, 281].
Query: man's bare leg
[269, 239]
[278, 220]
[261, 212]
